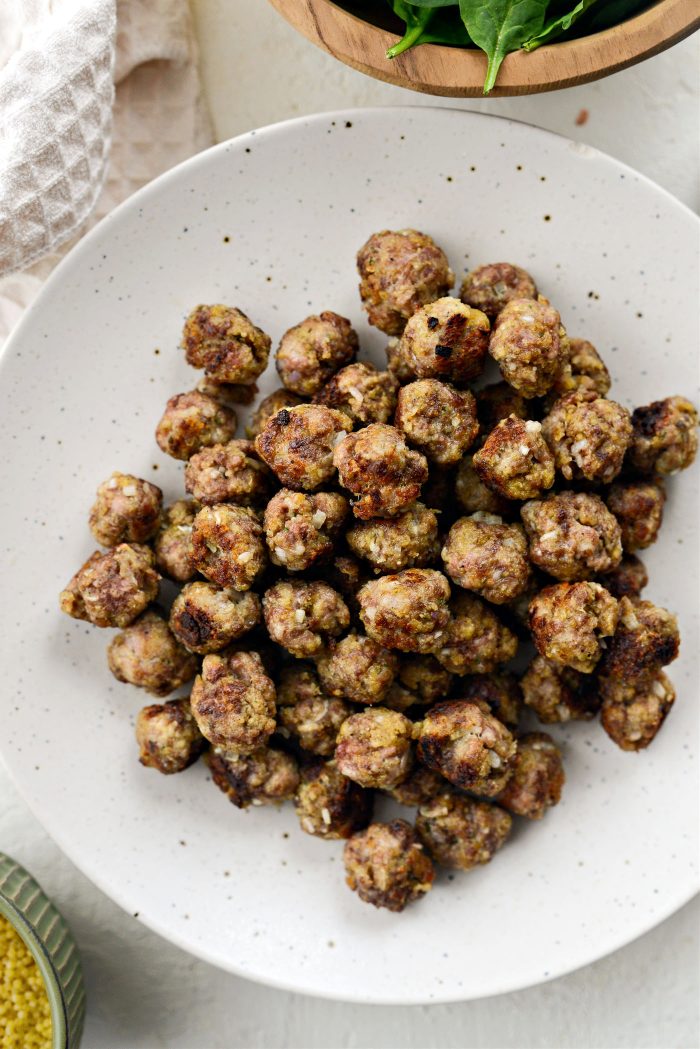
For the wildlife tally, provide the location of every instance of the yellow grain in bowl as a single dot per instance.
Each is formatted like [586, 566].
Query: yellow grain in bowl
[25, 1015]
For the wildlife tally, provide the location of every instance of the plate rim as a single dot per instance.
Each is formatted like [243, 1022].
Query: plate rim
[690, 887]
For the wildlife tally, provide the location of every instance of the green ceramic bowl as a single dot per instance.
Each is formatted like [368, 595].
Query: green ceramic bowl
[46, 934]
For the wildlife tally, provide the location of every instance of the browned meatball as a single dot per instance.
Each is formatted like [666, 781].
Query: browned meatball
[488, 288]
[206, 619]
[639, 509]
[519, 608]
[409, 540]
[399, 272]
[265, 777]
[364, 394]
[483, 554]
[395, 362]
[468, 746]
[358, 669]
[438, 491]
[500, 692]
[228, 473]
[297, 444]
[300, 529]
[374, 747]
[116, 587]
[588, 436]
[228, 392]
[446, 340]
[328, 804]
[633, 711]
[173, 543]
[401, 699]
[459, 832]
[497, 401]
[558, 694]
[345, 575]
[227, 545]
[302, 617]
[438, 419]
[269, 407]
[628, 579]
[473, 495]
[568, 622]
[127, 510]
[147, 655]
[665, 436]
[646, 639]
[233, 701]
[224, 342]
[530, 345]
[425, 678]
[538, 777]
[583, 370]
[515, 460]
[298, 683]
[386, 866]
[407, 610]
[476, 640]
[70, 599]
[168, 737]
[420, 788]
[307, 713]
[312, 351]
[193, 421]
[382, 472]
[572, 535]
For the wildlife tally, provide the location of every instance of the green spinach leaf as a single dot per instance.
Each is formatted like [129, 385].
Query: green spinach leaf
[434, 3]
[417, 20]
[611, 13]
[556, 26]
[428, 25]
[501, 26]
[447, 30]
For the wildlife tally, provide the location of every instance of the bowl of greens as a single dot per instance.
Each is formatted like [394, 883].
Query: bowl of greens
[464, 48]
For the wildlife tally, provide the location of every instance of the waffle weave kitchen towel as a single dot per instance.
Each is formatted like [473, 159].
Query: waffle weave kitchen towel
[97, 97]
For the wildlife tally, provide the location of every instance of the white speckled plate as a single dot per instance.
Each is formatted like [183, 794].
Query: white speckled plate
[271, 222]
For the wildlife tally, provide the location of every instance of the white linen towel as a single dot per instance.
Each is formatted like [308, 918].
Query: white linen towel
[71, 146]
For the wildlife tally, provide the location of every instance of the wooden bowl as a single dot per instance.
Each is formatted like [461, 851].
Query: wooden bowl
[359, 33]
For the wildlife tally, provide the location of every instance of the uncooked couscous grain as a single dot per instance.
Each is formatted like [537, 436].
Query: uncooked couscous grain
[25, 1014]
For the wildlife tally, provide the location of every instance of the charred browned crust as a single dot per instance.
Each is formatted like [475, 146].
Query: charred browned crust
[328, 804]
[489, 288]
[313, 350]
[646, 639]
[638, 507]
[501, 692]
[386, 865]
[223, 341]
[168, 737]
[460, 832]
[538, 777]
[266, 776]
[466, 744]
[297, 444]
[399, 272]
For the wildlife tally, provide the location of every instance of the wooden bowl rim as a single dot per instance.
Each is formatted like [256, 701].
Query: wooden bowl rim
[441, 70]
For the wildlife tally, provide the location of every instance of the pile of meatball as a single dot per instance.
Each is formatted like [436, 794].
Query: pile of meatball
[358, 572]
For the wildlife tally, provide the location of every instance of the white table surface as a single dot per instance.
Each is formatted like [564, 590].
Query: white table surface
[142, 991]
